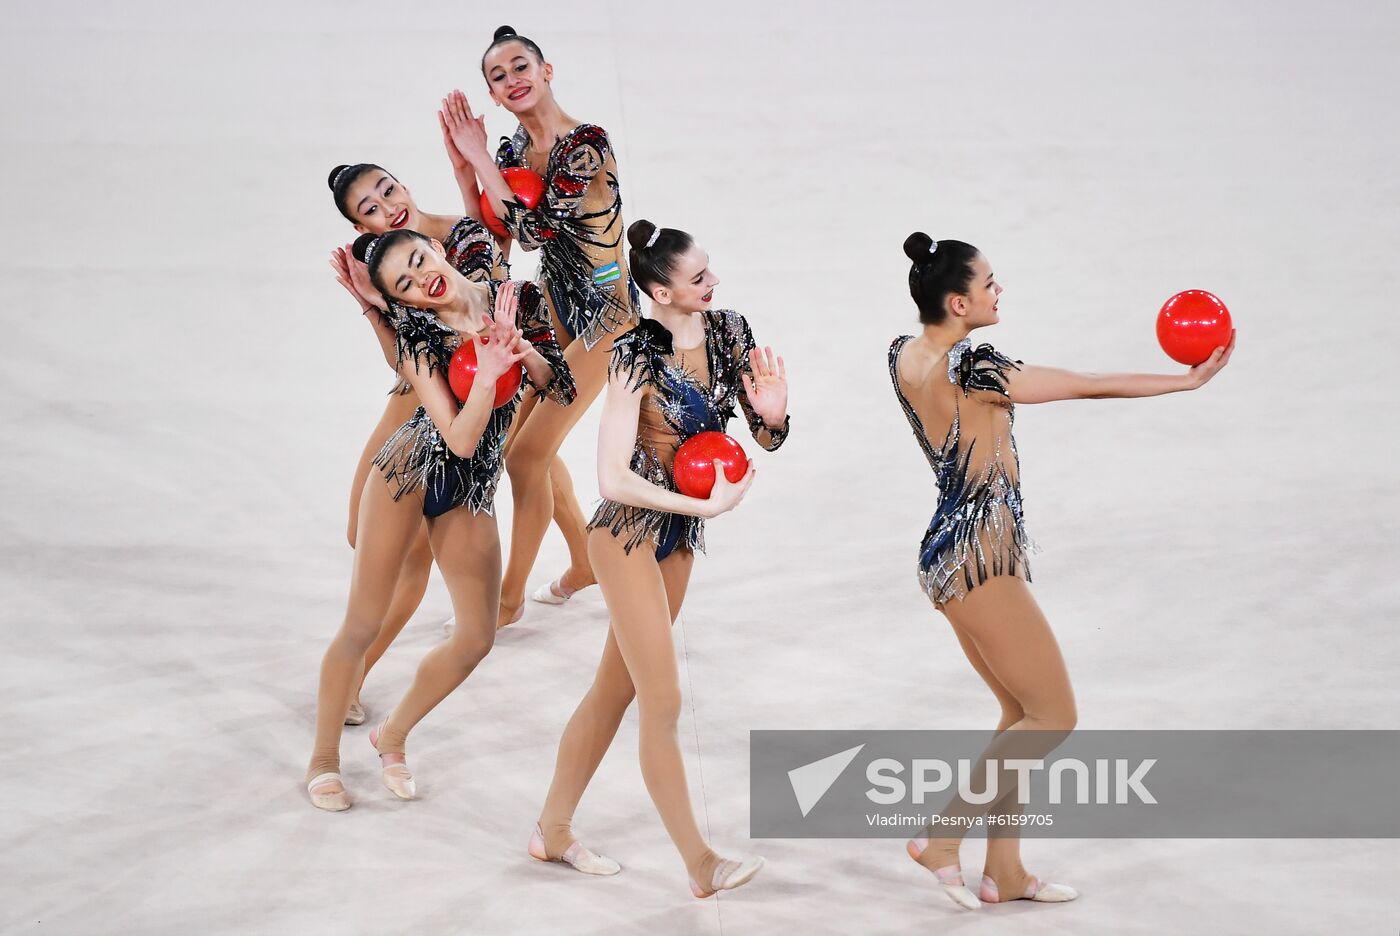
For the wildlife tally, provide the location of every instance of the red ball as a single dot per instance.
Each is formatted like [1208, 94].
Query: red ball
[527, 185]
[694, 467]
[1191, 325]
[462, 371]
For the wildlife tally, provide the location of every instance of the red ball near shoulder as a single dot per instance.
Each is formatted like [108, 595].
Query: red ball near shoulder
[461, 372]
[527, 185]
[694, 467]
[1191, 325]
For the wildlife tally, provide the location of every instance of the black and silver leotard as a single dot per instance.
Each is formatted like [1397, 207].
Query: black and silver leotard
[578, 227]
[978, 529]
[685, 391]
[416, 458]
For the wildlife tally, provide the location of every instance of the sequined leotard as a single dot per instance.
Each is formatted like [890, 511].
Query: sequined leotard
[416, 457]
[578, 223]
[977, 531]
[473, 251]
[685, 391]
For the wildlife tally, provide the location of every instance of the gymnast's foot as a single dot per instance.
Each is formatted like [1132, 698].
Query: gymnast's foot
[564, 587]
[355, 715]
[327, 791]
[1017, 884]
[394, 771]
[572, 854]
[941, 857]
[723, 874]
[510, 613]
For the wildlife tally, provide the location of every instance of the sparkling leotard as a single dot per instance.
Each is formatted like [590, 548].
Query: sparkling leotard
[578, 225]
[978, 529]
[416, 457]
[685, 391]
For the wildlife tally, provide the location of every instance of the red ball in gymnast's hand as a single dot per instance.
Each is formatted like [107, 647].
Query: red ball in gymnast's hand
[527, 185]
[461, 372]
[694, 467]
[1191, 325]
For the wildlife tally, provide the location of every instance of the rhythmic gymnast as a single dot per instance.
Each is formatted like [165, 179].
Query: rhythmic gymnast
[678, 373]
[578, 230]
[445, 461]
[973, 559]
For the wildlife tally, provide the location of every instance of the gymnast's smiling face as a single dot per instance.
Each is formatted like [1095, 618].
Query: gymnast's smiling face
[692, 284]
[978, 306]
[416, 273]
[379, 203]
[517, 78]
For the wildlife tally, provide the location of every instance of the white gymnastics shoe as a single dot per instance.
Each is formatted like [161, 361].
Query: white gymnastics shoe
[397, 778]
[949, 876]
[1035, 890]
[576, 856]
[555, 593]
[728, 875]
[331, 801]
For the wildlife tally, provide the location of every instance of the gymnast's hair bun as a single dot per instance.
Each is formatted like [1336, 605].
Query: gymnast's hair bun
[361, 246]
[506, 34]
[330, 179]
[639, 232]
[916, 246]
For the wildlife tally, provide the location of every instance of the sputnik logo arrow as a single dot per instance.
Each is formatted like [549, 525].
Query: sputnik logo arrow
[811, 781]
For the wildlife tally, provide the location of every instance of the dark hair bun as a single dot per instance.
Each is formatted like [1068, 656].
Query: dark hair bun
[639, 232]
[330, 179]
[361, 246]
[916, 246]
[503, 33]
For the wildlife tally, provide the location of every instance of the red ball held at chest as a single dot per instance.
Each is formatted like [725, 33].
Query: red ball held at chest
[462, 371]
[694, 467]
[1191, 325]
[527, 185]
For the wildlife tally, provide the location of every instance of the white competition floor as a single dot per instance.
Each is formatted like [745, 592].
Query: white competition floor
[186, 390]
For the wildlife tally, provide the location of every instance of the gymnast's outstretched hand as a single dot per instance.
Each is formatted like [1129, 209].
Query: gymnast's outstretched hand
[1204, 371]
[767, 388]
